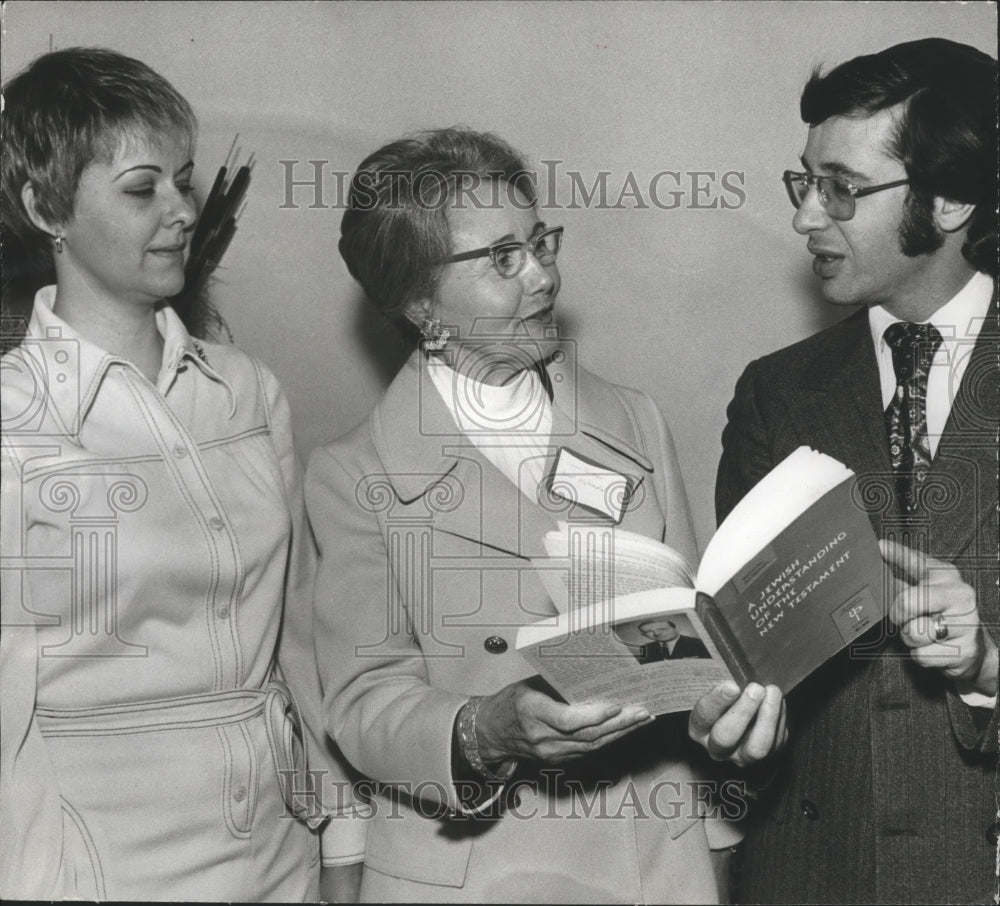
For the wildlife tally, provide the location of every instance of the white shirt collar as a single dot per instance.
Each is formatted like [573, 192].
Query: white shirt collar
[959, 322]
[960, 318]
[89, 363]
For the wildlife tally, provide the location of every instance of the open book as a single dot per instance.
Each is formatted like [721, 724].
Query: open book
[790, 578]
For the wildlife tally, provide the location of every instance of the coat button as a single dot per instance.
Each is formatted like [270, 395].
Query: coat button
[216, 523]
[993, 833]
[180, 451]
[495, 644]
[809, 809]
[240, 794]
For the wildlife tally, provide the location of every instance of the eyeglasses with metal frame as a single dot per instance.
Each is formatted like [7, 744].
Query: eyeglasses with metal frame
[509, 257]
[836, 194]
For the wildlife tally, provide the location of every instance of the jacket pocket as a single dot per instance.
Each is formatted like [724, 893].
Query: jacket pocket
[404, 844]
[241, 778]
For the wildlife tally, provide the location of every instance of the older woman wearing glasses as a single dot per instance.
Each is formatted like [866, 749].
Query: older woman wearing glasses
[486, 788]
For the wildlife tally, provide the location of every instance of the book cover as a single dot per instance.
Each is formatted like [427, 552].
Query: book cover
[791, 577]
[811, 591]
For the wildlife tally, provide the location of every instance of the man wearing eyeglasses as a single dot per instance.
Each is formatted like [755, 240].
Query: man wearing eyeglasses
[887, 791]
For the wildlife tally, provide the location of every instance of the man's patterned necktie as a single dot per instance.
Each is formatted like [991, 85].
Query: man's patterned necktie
[913, 347]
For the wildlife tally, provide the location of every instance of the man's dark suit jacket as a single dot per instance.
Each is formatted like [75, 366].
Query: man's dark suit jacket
[887, 791]
[686, 646]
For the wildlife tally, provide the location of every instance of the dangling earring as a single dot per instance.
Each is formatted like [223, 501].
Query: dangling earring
[59, 244]
[434, 333]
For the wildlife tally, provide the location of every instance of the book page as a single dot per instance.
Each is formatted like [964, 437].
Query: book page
[649, 649]
[588, 564]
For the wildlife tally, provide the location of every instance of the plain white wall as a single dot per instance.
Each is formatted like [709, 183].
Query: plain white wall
[673, 301]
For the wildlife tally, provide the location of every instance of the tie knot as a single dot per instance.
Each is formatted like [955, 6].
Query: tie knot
[913, 347]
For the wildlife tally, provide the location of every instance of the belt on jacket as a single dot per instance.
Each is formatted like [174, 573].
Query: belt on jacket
[274, 702]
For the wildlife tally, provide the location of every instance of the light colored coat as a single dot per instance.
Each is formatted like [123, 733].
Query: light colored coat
[425, 579]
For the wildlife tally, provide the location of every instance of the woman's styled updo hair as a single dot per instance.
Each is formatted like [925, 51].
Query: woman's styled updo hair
[396, 224]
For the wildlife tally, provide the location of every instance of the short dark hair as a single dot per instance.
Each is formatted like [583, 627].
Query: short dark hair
[65, 110]
[947, 136]
[396, 224]
[670, 623]
[71, 107]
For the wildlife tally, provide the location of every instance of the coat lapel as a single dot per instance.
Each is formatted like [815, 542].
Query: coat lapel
[838, 407]
[439, 475]
[581, 426]
[836, 403]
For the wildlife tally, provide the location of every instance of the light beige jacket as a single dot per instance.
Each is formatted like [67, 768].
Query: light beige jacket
[424, 581]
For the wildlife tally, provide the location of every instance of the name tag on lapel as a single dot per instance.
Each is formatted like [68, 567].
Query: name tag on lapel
[590, 485]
